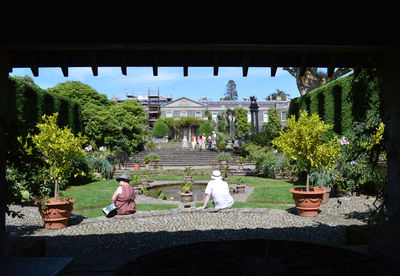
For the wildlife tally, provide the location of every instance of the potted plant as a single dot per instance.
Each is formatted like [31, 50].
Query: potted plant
[186, 192]
[137, 164]
[188, 174]
[241, 160]
[59, 148]
[224, 157]
[225, 170]
[305, 140]
[152, 158]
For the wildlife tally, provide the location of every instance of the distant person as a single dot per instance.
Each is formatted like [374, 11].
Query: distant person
[193, 142]
[200, 140]
[219, 191]
[209, 139]
[124, 196]
[214, 140]
[184, 142]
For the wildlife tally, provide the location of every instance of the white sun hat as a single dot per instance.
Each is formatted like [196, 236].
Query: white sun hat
[216, 175]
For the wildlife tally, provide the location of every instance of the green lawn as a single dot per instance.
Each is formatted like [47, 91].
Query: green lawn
[92, 197]
[268, 190]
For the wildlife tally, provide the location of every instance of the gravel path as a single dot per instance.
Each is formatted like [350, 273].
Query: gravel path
[147, 231]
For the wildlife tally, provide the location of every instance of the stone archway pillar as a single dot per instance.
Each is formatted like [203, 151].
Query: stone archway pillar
[390, 72]
[4, 70]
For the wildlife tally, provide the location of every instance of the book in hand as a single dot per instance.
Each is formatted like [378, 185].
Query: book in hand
[110, 211]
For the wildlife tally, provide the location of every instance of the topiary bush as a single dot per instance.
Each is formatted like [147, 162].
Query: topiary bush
[160, 129]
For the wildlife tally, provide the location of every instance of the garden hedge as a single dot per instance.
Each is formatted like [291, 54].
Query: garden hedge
[27, 104]
[343, 101]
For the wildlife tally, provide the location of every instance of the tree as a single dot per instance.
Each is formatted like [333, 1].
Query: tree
[160, 129]
[206, 129]
[59, 149]
[243, 126]
[273, 126]
[306, 140]
[231, 93]
[278, 93]
[82, 93]
[312, 78]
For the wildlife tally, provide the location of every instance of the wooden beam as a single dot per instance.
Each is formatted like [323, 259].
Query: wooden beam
[331, 66]
[35, 70]
[274, 64]
[331, 70]
[64, 70]
[34, 67]
[273, 70]
[245, 69]
[215, 61]
[303, 64]
[95, 70]
[123, 70]
[64, 64]
[94, 66]
[155, 64]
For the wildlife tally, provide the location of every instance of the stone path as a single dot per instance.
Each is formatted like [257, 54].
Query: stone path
[147, 231]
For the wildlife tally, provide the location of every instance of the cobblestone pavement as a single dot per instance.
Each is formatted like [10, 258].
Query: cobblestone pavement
[147, 231]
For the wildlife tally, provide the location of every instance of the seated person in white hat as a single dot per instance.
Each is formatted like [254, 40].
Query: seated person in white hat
[219, 190]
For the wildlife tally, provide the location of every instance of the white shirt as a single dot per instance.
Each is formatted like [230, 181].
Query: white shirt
[219, 190]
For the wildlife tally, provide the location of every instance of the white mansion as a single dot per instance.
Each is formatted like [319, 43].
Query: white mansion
[185, 107]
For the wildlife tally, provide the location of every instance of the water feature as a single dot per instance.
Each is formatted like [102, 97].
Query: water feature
[172, 191]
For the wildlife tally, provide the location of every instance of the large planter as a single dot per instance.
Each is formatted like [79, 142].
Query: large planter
[187, 197]
[56, 214]
[325, 197]
[308, 203]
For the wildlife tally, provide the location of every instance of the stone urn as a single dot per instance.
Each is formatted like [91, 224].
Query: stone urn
[187, 197]
[56, 213]
[188, 178]
[308, 203]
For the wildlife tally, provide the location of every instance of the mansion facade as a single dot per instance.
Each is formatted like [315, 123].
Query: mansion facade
[185, 107]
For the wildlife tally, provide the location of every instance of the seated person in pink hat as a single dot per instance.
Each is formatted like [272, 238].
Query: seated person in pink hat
[219, 190]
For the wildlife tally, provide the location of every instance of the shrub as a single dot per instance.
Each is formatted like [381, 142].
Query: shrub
[306, 140]
[160, 129]
[206, 129]
[151, 157]
[221, 145]
[224, 156]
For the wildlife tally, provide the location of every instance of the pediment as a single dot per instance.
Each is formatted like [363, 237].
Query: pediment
[183, 102]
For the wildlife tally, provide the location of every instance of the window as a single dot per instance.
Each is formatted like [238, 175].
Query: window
[197, 114]
[283, 116]
[183, 113]
[168, 114]
[214, 116]
[265, 117]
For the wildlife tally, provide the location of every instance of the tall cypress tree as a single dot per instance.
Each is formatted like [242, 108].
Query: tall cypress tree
[231, 93]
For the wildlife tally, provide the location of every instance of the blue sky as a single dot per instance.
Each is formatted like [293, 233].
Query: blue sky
[170, 81]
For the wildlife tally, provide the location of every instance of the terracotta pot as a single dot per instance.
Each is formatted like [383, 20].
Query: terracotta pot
[57, 213]
[307, 203]
[137, 166]
[325, 197]
[187, 197]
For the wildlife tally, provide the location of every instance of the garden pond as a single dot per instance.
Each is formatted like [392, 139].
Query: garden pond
[172, 191]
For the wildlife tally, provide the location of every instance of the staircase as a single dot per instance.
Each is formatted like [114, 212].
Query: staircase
[173, 156]
[182, 157]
